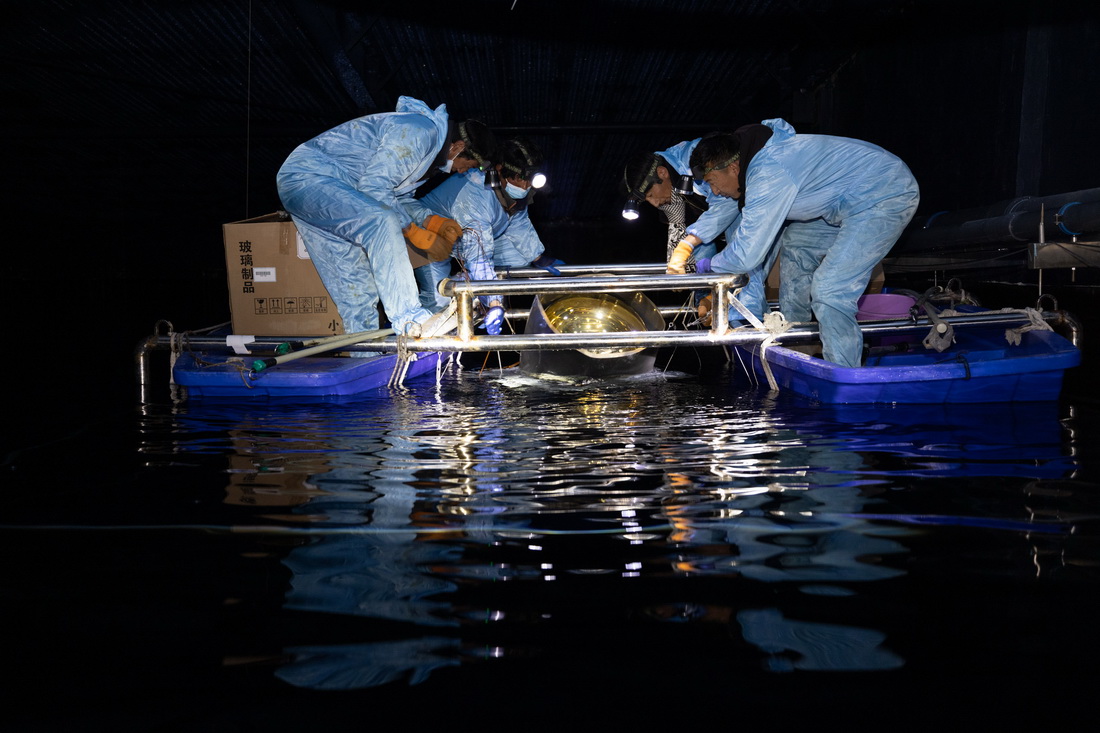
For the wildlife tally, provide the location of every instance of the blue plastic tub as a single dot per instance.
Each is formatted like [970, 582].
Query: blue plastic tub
[980, 367]
[318, 377]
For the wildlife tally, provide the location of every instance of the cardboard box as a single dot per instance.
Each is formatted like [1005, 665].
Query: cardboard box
[274, 290]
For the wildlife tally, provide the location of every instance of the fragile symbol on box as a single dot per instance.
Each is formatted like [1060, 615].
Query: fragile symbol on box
[290, 305]
[266, 306]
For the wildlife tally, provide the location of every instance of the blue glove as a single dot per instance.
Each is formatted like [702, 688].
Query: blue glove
[493, 320]
[703, 266]
[547, 263]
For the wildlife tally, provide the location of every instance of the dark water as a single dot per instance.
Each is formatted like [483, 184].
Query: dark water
[496, 550]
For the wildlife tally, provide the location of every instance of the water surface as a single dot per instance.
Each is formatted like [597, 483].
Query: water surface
[495, 548]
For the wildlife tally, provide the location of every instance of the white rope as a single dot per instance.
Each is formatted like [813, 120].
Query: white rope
[774, 323]
[176, 350]
[1036, 322]
[177, 343]
[401, 365]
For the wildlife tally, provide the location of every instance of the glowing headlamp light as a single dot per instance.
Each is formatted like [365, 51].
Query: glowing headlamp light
[535, 177]
[630, 209]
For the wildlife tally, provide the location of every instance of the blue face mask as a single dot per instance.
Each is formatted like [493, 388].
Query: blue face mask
[446, 167]
[515, 191]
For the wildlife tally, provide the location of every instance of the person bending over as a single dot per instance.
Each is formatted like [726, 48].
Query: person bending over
[832, 206]
[348, 191]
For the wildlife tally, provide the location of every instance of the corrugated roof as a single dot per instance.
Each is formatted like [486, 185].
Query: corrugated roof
[205, 98]
[221, 92]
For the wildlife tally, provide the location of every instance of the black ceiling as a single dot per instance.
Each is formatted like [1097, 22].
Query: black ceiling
[127, 115]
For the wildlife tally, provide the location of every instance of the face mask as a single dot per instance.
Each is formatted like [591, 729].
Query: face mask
[515, 191]
[446, 167]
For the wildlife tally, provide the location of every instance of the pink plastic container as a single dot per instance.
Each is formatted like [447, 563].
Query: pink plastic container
[883, 306]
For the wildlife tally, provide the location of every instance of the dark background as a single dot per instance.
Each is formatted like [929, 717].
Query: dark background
[134, 130]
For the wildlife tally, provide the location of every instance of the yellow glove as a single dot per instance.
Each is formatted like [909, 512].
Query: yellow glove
[449, 229]
[433, 246]
[677, 263]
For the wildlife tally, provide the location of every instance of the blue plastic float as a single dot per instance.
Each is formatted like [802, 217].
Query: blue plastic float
[981, 366]
[318, 377]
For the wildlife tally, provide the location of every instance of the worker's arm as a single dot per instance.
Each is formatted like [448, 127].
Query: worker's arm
[771, 192]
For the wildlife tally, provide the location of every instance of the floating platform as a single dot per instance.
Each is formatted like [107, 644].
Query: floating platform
[981, 366]
[313, 378]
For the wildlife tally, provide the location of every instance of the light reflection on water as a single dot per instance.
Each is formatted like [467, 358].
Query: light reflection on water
[429, 509]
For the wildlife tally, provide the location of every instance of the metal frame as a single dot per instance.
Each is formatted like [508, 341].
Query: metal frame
[517, 282]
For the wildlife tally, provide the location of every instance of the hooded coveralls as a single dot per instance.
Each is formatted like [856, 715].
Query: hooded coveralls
[838, 205]
[347, 191]
[490, 237]
[722, 215]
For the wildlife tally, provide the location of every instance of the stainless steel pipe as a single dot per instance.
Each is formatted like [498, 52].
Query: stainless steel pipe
[623, 339]
[578, 270]
[614, 284]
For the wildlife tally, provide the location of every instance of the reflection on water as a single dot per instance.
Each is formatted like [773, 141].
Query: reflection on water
[503, 502]
[501, 545]
[814, 646]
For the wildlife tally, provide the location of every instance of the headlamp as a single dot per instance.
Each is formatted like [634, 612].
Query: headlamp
[492, 176]
[630, 209]
[529, 170]
[533, 175]
[685, 187]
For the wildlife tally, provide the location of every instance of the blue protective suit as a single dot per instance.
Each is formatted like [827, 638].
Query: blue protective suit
[722, 215]
[490, 237]
[347, 190]
[837, 206]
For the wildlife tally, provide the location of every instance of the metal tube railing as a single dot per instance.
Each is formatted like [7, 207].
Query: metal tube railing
[627, 339]
[613, 284]
[579, 270]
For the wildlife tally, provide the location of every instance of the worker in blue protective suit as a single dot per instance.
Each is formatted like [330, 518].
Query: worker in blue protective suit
[701, 214]
[347, 191]
[833, 206]
[496, 228]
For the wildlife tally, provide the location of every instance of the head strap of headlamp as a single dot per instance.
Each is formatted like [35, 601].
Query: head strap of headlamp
[525, 173]
[699, 172]
[481, 162]
[650, 179]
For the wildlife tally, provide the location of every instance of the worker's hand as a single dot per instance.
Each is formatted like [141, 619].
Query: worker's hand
[677, 263]
[433, 246]
[703, 310]
[548, 263]
[493, 320]
[449, 229]
[703, 266]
